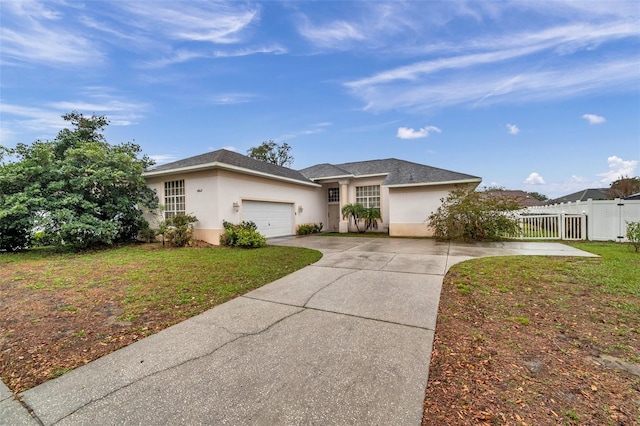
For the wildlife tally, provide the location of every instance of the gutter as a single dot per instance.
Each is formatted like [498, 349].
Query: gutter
[446, 182]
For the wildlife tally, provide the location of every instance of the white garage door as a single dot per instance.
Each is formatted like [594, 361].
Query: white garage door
[273, 219]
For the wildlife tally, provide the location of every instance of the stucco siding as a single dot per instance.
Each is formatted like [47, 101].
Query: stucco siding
[410, 207]
[210, 196]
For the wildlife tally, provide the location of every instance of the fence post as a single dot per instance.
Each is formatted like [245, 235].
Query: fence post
[562, 226]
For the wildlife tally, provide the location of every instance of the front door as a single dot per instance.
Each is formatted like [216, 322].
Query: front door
[334, 217]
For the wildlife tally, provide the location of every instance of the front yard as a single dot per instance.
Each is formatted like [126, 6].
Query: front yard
[62, 310]
[539, 341]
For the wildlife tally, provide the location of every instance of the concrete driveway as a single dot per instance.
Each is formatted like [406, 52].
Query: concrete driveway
[344, 341]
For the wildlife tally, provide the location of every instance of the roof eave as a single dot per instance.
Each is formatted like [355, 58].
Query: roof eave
[447, 182]
[225, 166]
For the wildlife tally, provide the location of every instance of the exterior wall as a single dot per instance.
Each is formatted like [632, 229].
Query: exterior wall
[210, 196]
[383, 225]
[409, 208]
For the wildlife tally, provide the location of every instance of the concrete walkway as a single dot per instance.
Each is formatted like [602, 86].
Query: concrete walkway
[345, 341]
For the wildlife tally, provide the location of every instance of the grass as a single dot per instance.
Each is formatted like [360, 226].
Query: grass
[557, 314]
[149, 277]
[63, 309]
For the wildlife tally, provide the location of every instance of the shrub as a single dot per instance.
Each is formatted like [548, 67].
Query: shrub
[633, 234]
[472, 216]
[244, 234]
[309, 228]
[178, 230]
[43, 239]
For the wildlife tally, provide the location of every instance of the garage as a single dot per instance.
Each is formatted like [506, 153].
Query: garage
[272, 219]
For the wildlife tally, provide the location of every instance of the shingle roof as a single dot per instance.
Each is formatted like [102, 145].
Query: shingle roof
[521, 197]
[584, 195]
[225, 157]
[399, 172]
[633, 197]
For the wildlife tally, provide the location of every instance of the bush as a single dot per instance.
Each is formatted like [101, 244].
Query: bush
[44, 239]
[309, 228]
[633, 234]
[244, 235]
[178, 230]
[474, 216]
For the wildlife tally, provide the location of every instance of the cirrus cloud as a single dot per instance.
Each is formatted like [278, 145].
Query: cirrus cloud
[409, 133]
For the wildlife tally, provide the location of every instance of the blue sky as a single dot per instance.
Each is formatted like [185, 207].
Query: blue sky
[536, 95]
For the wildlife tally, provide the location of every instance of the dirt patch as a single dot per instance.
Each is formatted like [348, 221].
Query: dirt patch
[538, 353]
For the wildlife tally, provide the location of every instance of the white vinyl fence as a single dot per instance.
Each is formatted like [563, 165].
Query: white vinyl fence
[553, 226]
[599, 220]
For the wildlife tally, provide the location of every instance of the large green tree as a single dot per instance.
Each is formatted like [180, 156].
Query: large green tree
[273, 153]
[78, 189]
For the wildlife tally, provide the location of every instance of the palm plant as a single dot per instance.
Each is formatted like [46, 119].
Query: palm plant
[358, 212]
[353, 211]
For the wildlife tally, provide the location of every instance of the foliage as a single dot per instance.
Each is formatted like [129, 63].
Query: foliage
[471, 216]
[538, 196]
[309, 228]
[633, 234]
[357, 212]
[244, 235]
[625, 186]
[78, 188]
[272, 153]
[178, 230]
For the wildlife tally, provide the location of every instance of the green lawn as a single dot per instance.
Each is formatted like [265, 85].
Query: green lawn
[185, 281]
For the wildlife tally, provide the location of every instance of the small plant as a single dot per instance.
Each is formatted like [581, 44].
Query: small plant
[633, 234]
[178, 230]
[244, 234]
[309, 228]
[358, 212]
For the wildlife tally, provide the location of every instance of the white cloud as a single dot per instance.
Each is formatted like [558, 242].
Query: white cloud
[31, 32]
[534, 179]
[408, 133]
[513, 129]
[498, 86]
[618, 168]
[220, 23]
[594, 119]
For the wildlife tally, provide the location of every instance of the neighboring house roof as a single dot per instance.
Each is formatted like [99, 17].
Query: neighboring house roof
[584, 195]
[229, 160]
[398, 173]
[633, 197]
[521, 197]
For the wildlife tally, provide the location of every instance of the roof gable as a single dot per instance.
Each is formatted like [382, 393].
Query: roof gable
[223, 158]
[398, 172]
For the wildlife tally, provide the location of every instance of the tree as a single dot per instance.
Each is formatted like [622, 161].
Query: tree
[358, 212]
[471, 216]
[538, 196]
[624, 187]
[77, 187]
[272, 153]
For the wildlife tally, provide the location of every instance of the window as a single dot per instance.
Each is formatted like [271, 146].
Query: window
[174, 198]
[334, 195]
[368, 196]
